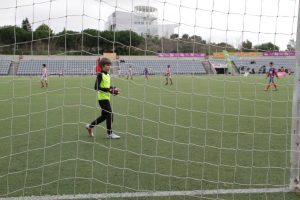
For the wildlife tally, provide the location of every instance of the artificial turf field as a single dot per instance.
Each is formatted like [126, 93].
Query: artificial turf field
[201, 133]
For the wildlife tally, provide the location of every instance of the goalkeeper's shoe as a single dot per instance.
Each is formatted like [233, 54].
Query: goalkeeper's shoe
[113, 136]
[90, 130]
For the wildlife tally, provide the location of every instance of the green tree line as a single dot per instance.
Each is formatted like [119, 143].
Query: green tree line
[43, 41]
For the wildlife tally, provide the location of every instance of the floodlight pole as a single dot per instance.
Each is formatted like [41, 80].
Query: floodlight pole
[295, 132]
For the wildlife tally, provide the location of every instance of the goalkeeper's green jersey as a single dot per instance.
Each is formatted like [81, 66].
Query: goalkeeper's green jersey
[104, 83]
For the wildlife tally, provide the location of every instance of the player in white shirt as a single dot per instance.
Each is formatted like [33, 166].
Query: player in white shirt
[129, 72]
[168, 75]
[44, 77]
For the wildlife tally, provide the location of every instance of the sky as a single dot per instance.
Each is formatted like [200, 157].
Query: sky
[231, 21]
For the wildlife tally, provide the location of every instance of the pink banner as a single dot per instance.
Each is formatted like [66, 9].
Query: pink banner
[279, 53]
[181, 54]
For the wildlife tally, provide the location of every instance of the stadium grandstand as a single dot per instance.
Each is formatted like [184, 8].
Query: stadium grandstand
[257, 65]
[69, 67]
[4, 67]
[31, 65]
[159, 66]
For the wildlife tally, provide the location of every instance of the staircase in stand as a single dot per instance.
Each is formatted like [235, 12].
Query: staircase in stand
[208, 67]
[13, 68]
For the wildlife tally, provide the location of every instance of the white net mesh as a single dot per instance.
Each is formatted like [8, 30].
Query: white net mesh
[200, 135]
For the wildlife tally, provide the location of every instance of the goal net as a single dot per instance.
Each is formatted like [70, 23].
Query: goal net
[201, 113]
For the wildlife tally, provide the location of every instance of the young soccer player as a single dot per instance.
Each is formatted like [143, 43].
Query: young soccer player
[146, 73]
[119, 71]
[129, 73]
[98, 66]
[169, 75]
[102, 85]
[61, 72]
[271, 75]
[44, 77]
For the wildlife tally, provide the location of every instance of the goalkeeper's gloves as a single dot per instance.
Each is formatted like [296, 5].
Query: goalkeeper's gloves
[114, 91]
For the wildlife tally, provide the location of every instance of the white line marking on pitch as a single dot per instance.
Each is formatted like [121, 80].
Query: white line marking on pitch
[152, 194]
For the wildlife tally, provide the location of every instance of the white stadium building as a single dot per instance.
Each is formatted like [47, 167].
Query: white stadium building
[142, 21]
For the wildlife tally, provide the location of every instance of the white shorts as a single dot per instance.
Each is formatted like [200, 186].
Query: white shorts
[44, 78]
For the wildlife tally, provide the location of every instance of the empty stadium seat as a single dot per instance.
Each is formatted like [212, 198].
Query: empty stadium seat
[4, 67]
[159, 66]
[69, 67]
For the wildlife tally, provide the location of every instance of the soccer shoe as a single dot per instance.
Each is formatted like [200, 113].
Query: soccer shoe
[90, 130]
[113, 136]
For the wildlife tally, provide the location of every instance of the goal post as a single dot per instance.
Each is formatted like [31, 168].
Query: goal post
[295, 131]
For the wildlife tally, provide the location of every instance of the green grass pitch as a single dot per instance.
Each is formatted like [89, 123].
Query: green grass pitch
[201, 133]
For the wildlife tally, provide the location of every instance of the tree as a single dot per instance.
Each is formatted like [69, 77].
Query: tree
[67, 39]
[291, 46]
[266, 47]
[10, 35]
[7, 35]
[225, 46]
[22, 35]
[174, 36]
[90, 40]
[41, 40]
[42, 32]
[197, 39]
[26, 25]
[13, 34]
[185, 36]
[247, 46]
[106, 40]
[124, 39]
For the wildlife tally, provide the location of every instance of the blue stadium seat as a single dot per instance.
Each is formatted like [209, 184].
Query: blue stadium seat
[4, 67]
[159, 66]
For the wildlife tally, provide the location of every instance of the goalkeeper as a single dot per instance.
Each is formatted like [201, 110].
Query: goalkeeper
[102, 85]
